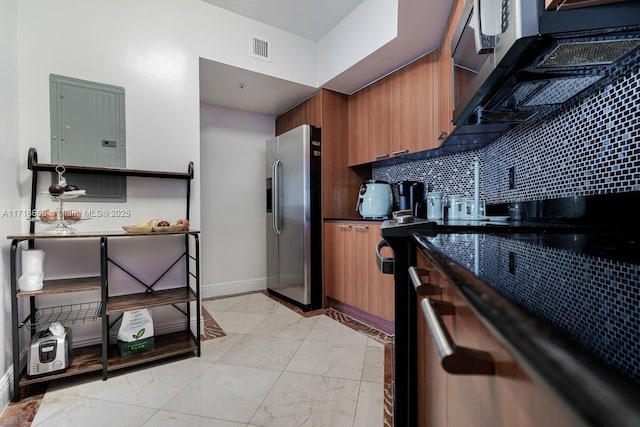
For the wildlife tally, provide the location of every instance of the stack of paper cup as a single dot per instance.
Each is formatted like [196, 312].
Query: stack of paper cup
[32, 270]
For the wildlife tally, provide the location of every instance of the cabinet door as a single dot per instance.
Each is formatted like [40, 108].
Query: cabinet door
[444, 110]
[370, 123]
[351, 273]
[416, 110]
[379, 288]
[308, 112]
[380, 117]
[432, 379]
[338, 261]
[360, 144]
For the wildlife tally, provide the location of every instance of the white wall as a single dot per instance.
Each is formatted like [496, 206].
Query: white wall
[370, 26]
[233, 199]
[9, 171]
[151, 48]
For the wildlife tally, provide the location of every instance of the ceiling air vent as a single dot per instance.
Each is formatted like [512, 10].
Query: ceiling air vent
[260, 49]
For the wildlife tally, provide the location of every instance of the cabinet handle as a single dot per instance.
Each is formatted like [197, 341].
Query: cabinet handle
[386, 265]
[344, 227]
[360, 227]
[403, 151]
[381, 156]
[422, 288]
[453, 358]
[443, 135]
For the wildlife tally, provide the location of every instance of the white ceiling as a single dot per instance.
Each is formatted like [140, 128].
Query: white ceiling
[420, 27]
[310, 19]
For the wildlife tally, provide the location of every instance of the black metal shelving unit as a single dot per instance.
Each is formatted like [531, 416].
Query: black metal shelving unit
[104, 357]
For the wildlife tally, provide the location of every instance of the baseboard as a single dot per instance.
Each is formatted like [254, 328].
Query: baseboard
[231, 288]
[363, 317]
[6, 387]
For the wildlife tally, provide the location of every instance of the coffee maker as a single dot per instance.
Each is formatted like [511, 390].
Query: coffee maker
[411, 197]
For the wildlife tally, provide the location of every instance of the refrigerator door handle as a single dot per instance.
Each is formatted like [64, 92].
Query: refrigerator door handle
[275, 194]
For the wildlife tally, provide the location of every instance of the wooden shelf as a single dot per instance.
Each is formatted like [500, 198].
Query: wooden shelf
[149, 299]
[167, 345]
[32, 164]
[61, 286]
[89, 359]
[94, 234]
[85, 359]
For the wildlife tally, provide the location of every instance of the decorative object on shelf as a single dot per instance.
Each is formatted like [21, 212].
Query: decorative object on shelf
[32, 270]
[136, 332]
[59, 193]
[50, 350]
[158, 225]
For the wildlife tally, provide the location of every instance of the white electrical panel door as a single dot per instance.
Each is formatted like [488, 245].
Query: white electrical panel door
[88, 129]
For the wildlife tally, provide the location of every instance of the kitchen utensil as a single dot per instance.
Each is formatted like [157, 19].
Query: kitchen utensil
[434, 205]
[469, 208]
[454, 207]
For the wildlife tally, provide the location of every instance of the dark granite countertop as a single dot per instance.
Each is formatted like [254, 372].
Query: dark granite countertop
[352, 219]
[563, 299]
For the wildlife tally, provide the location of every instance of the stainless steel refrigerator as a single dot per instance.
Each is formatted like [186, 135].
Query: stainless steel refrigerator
[294, 223]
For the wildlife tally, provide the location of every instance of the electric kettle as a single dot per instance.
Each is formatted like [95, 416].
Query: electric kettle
[375, 199]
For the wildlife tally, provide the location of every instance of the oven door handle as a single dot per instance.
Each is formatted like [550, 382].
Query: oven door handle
[385, 264]
[423, 288]
[454, 359]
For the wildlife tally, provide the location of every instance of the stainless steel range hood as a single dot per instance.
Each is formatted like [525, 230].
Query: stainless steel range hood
[534, 63]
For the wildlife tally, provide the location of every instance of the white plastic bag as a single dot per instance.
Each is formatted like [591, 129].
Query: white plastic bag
[136, 325]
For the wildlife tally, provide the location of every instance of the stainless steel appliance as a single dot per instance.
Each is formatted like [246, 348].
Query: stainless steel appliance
[294, 227]
[409, 194]
[375, 200]
[515, 61]
[49, 353]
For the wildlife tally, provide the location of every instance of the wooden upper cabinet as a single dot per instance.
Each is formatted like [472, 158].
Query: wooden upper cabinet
[380, 117]
[415, 109]
[360, 146]
[444, 80]
[393, 116]
[307, 112]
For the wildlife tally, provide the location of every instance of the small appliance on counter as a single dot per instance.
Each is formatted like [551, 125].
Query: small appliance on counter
[410, 194]
[375, 200]
[50, 350]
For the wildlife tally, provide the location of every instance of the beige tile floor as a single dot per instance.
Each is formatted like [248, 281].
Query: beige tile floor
[274, 368]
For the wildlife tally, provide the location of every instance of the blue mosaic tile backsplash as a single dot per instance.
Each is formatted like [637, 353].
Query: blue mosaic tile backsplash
[601, 295]
[591, 149]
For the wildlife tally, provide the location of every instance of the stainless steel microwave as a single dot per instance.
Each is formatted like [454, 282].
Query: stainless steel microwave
[515, 61]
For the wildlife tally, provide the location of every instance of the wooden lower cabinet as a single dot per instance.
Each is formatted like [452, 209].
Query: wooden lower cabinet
[350, 271]
[508, 397]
